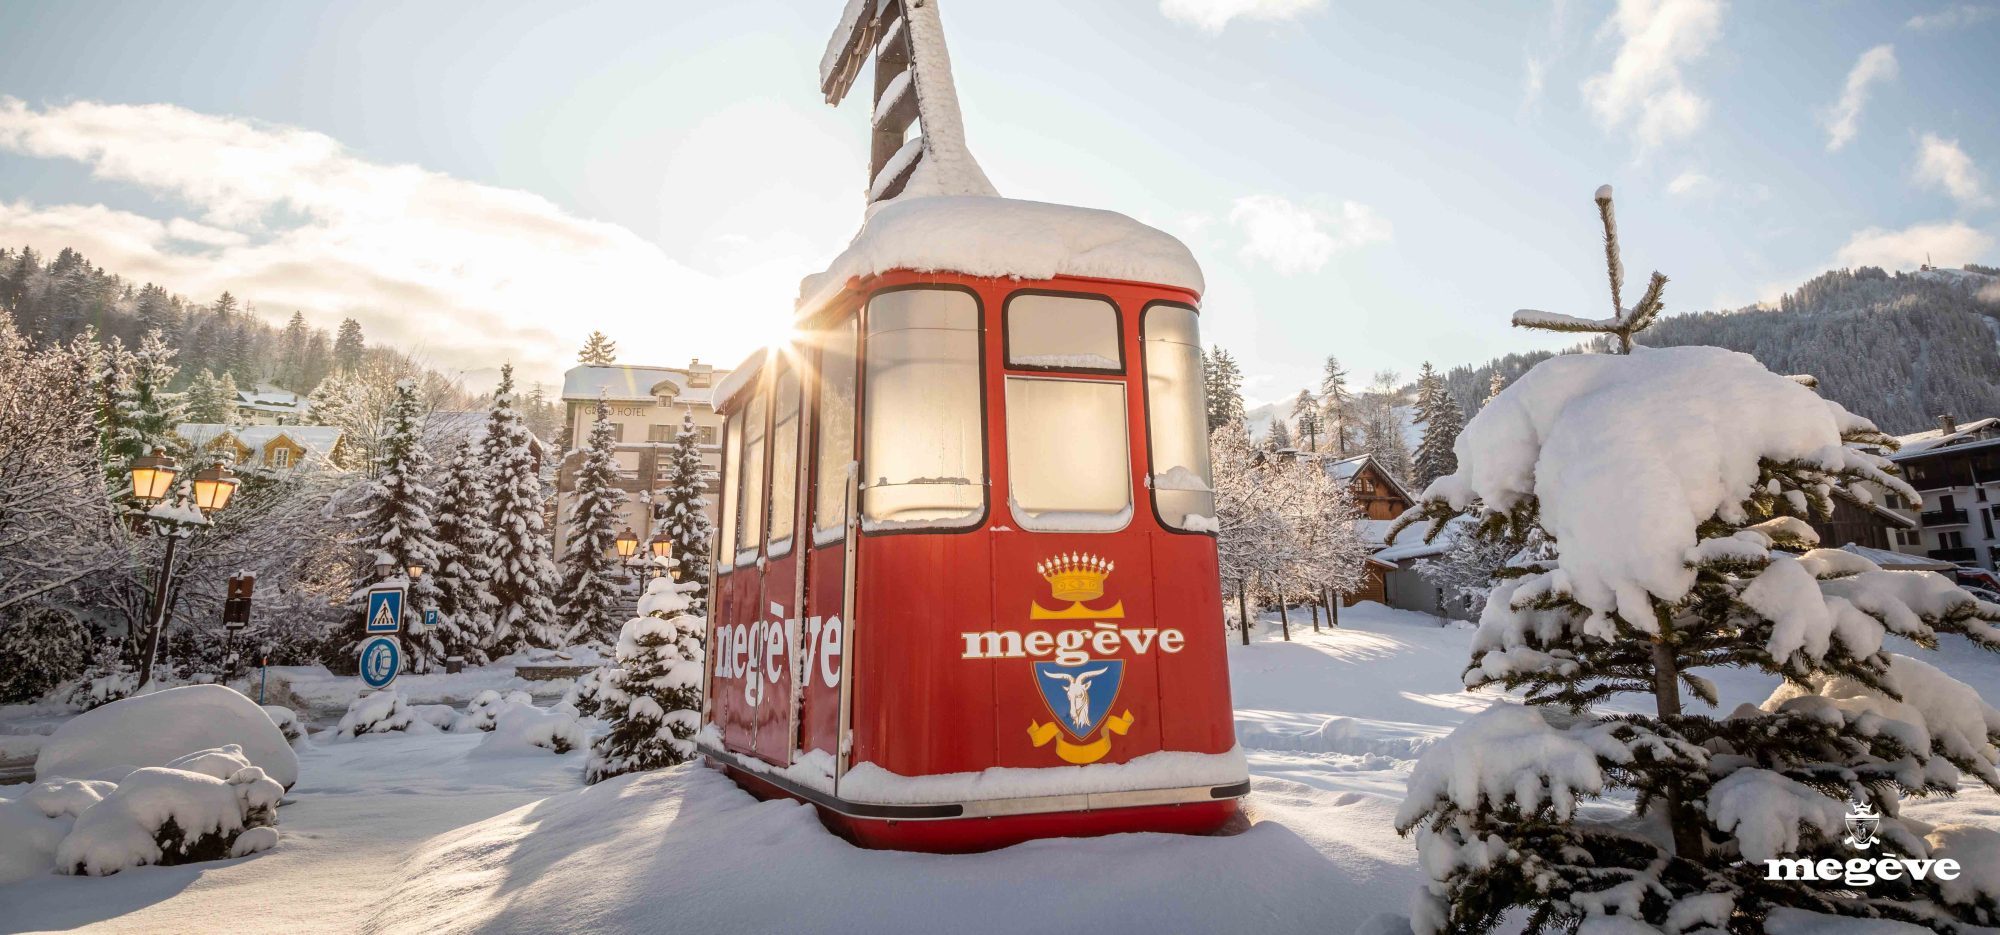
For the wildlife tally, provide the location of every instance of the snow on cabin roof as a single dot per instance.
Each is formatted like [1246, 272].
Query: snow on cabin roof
[319, 439]
[979, 235]
[1410, 542]
[727, 388]
[1897, 561]
[1920, 442]
[628, 383]
[1346, 468]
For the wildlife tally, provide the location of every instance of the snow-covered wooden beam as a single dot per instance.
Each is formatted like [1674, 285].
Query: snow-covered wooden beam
[913, 90]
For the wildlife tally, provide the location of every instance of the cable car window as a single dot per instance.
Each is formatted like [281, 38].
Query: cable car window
[733, 475]
[1068, 456]
[1062, 332]
[1176, 419]
[785, 459]
[924, 451]
[750, 525]
[835, 416]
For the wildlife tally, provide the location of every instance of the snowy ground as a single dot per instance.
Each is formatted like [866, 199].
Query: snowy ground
[422, 834]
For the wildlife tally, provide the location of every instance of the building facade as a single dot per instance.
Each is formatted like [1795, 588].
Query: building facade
[269, 405]
[271, 447]
[1956, 469]
[1380, 498]
[647, 404]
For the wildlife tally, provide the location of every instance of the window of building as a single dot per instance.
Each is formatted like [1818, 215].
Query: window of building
[785, 458]
[1176, 418]
[924, 451]
[750, 524]
[836, 433]
[1069, 460]
[704, 434]
[732, 484]
[662, 433]
[1951, 540]
[281, 457]
[1062, 332]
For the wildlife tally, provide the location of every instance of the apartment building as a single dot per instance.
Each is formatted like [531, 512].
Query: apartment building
[646, 404]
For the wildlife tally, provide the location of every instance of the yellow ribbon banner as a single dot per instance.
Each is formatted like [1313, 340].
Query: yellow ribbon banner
[1080, 754]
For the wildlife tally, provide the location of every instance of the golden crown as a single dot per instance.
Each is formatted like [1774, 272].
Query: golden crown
[1076, 576]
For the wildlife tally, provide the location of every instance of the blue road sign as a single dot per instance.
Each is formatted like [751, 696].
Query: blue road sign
[385, 610]
[381, 660]
[430, 619]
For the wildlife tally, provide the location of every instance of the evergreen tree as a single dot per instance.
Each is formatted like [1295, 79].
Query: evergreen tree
[652, 699]
[1336, 408]
[226, 394]
[348, 346]
[395, 520]
[1623, 607]
[1305, 413]
[1382, 426]
[205, 402]
[466, 564]
[1278, 438]
[144, 412]
[598, 351]
[590, 567]
[292, 350]
[523, 571]
[1224, 384]
[680, 511]
[1442, 423]
[1493, 387]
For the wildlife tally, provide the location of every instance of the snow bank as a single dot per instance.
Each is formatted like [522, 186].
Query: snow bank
[484, 711]
[380, 712]
[1002, 237]
[683, 849]
[527, 729]
[170, 816]
[1584, 433]
[34, 825]
[155, 729]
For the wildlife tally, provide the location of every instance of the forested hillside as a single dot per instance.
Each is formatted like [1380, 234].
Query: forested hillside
[1898, 348]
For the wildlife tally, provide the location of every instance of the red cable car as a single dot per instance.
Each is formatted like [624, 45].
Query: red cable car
[965, 588]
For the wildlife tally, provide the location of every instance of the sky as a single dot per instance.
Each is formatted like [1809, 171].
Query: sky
[479, 182]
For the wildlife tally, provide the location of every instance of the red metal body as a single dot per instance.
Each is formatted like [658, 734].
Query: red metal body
[813, 671]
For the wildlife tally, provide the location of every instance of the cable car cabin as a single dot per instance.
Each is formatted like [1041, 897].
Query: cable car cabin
[966, 589]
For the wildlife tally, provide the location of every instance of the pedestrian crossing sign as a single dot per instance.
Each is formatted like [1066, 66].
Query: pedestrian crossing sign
[385, 610]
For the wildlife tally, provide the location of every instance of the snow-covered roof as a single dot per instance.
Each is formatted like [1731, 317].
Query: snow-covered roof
[267, 395]
[1898, 561]
[1410, 543]
[740, 378]
[319, 439]
[979, 235]
[1917, 443]
[631, 383]
[1346, 468]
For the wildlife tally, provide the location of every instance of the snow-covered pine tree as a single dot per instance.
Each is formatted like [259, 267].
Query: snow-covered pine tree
[1442, 423]
[1680, 542]
[348, 346]
[653, 698]
[589, 588]
[1278, 438]
[144, 411]
[1336, 406]
[598, 351]
[1382, 426]
[681, 512]
[1224, 385]
[523, 573]
[1305, 416]
[394, 522]
[466, 566]
[1493, 386]
[204, 399]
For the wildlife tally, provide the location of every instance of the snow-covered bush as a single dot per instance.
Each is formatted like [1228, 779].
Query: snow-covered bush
[287, 722]
[1674, 486]
[586, 694]
[526, 728]
[172, 816]
[483, 712]
[155, 729]
[42, 648]
[105, 680]
[34, 825]
[653, 699]
[378, 712]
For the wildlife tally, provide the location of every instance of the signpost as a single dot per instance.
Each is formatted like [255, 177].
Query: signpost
[381, 661]
[385, 610]
[235, 617]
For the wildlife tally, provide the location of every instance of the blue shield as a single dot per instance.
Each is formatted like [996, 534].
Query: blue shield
[381, 660]
[385, 610]
[1080, 696]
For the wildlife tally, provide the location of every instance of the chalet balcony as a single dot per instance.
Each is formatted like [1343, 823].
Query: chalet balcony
[1944, 517]
[1967, 554]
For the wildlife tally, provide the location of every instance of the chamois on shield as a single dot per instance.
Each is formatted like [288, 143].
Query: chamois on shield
[1077, 687]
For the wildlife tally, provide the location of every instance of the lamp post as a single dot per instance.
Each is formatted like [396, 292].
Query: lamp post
[153, 479]
[663, 551]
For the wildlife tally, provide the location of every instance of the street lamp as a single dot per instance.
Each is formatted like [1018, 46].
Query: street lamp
[416, 571]
[153, 479]
[627, 543]
[662, 547]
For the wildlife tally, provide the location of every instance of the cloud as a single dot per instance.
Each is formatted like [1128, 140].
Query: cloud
[465, 274]
[1843, 119]
[1293, 238]
[1213, 15]
[1943, 166]
[1946, 243]
[1690, 182]
[1644, 87]
[1535, 76]
[1952, 17]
